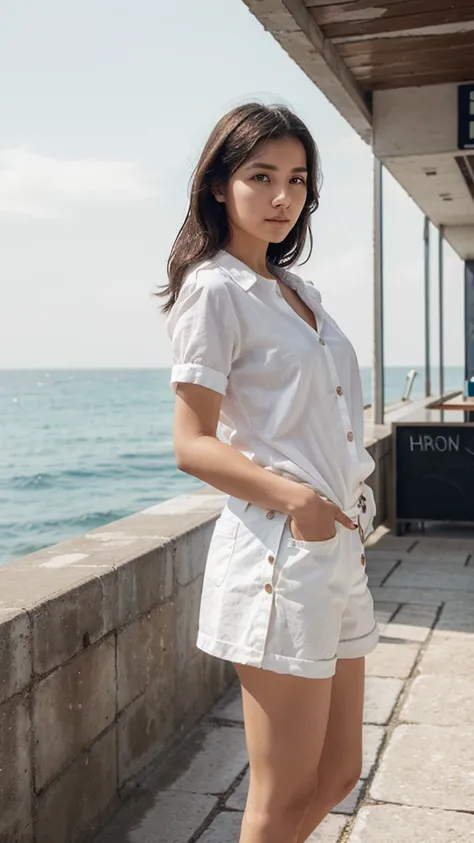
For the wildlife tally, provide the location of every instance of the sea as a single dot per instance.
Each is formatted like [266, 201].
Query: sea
[79, 449]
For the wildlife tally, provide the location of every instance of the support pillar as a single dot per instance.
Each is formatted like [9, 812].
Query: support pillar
[469, 316]
[427, 309]
[441, 308]
[378, 398]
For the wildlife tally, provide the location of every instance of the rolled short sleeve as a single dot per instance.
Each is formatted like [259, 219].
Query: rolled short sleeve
[204, 332]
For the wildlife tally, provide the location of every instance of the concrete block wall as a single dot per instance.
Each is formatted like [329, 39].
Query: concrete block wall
[99, 672]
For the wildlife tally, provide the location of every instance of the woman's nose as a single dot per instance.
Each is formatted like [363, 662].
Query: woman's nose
[281, 198]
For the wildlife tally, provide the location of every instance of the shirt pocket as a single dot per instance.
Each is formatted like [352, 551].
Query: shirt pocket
[221, 548]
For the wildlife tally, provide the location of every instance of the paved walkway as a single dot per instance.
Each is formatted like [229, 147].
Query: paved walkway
[417, 784]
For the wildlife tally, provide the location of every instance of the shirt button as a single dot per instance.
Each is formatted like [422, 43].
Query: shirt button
[362, 559]
[350, 436]
[340, 390]
[270, 514]
[271, 559]
[321, 341]
[268, 588]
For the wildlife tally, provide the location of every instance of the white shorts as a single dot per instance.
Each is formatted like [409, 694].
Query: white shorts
[280, 604]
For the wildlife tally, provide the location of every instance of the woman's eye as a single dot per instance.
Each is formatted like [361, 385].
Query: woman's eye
[299, 180]
[260, 176]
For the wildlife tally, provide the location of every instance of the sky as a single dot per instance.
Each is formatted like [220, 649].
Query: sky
[104, 108]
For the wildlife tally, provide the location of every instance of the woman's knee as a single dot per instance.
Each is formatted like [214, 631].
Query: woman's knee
[277, 809]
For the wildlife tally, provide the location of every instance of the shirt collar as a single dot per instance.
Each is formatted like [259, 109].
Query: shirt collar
[238, 271]
[246, 277]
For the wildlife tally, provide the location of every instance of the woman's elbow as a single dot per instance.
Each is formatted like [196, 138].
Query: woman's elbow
[183, 461]
[185, 456]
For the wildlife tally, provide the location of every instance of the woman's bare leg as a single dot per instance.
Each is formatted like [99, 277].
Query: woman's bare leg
[341, 757]
[285, 719]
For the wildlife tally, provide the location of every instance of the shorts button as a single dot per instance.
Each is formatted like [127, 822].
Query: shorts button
[270, 514]
[268, 588]
[362, 559]
[271, 559]
[350, 436]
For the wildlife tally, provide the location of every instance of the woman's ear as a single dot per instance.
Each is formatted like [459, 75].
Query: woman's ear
[218, 192]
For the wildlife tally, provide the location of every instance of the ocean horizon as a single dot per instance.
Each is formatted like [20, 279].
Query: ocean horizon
[84, 447]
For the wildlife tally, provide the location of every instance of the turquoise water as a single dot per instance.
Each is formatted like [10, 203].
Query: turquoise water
[82, 448]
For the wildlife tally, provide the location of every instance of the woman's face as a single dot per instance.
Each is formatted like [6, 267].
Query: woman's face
[266, 194]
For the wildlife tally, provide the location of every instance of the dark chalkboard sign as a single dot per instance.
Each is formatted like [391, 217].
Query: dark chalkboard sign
[434, 472]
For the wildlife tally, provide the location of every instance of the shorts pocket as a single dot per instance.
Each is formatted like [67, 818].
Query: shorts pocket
[221, 548]
[366, 518]
[317, 547]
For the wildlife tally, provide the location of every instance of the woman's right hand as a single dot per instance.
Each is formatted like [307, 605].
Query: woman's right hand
[315, 519]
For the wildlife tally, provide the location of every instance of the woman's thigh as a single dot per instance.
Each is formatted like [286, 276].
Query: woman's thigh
[286, 720]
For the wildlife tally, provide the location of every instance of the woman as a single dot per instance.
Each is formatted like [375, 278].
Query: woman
[285, 594]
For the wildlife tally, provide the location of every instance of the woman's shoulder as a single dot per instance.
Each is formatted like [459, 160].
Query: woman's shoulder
[205, 293]
[207, 274]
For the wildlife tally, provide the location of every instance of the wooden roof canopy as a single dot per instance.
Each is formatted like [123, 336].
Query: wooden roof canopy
[400, 43]
[352, 48]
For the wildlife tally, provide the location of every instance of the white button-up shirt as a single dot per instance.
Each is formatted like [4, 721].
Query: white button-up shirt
[292, 396]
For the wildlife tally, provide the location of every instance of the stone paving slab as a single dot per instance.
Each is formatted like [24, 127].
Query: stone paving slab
[401, 824]
[395, 631]
[164, 817]
[329, 831]
[349, 804]
[423, 594]
[417, 614]
[457, 616]
[423, 575]
[385, 611]
[208, 762]
[449, 654]
[440, 701]
[391, 542]
[428, 766]
[230, 708]
[224, 829]
[452, 553]
[378, 571]
[392, 659]
[434, 545]
[372, 740]
[380, 698]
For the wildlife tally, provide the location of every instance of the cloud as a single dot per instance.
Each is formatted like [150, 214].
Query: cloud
[36, 185]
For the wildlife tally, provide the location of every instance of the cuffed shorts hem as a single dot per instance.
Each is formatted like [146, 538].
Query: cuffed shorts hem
[322, 669]
[356, 648]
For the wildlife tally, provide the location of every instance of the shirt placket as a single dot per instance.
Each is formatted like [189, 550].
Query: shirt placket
[349, 435]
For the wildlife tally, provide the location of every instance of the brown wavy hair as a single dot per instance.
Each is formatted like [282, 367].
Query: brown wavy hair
[205, 229]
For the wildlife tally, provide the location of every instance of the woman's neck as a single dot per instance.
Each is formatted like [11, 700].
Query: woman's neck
[251, 252]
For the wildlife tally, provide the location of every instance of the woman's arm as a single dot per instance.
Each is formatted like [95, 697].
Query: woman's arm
[200, 453]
